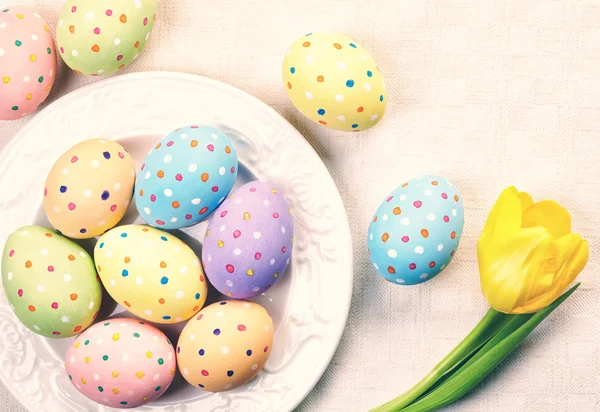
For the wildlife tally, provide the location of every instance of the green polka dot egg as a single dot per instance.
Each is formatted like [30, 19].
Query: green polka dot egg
[50, 282]
[335, 82]
[100, 37]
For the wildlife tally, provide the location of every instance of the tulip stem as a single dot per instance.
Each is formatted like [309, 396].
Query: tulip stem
[492, 322]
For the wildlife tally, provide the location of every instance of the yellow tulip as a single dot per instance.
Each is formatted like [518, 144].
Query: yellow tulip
[527, 253]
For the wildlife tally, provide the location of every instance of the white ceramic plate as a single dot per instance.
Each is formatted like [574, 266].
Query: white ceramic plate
[309, 304]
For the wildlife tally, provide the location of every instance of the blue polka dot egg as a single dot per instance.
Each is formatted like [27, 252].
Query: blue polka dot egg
[416, 230]
[185, 177]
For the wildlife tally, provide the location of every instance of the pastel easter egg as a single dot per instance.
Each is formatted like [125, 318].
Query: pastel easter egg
[225, 346]
[249, 241]
[121, 363]
[50, 282]
[89, 188]
[416, 230]
[151, 273]
[334, 81]
[185, 177]
[27, 61]
[100, 37]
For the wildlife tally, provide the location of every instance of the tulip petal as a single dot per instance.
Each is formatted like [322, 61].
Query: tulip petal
[571, 268]
[505, 217]
[550, 215]
[526, 200]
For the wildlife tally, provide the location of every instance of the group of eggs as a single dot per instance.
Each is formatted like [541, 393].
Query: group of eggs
[55, 287]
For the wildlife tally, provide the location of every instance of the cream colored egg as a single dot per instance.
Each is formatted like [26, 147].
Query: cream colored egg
[225, 346]
[89, 188]
[335, 82]
[151, 273]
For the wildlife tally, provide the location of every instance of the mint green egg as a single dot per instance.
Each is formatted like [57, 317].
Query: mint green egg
[50, 282]
[100, 37]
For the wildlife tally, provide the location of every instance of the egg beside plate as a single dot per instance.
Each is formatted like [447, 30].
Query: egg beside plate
[27, 61]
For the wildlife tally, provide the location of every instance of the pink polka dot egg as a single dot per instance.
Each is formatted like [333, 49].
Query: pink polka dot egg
[416, 230]
[101, 37]
[121, 363]
[27, 62]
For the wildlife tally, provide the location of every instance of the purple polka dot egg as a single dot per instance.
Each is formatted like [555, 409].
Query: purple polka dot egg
[185, 177]
[416, 230]
[249, 241]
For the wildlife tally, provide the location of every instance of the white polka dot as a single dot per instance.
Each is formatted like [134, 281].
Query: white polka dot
[192, 336]
[100, 71]
[431, 217]
[400, 281]
[440, 247]
[173, 219]
[36, 327]
[123, 325]
[246, 304]
[341, 118]
[374, 117]
[419, 250]
[25, 78]
[309, 95]
[341, 65]
[287, 262]
[196, 262]
[384, 217]
[56, 209]
[402, 197]
[221, 170]
[392, 253]
[96, 377]
[82, 254]
[404, 221]
[95, 163]
[224, 350]
[44, 252]
[1, 52]
[453, 212]
[65, 171]
[339, 97]
[138, 4]
[183, 136]
[228, 386]
[112, 283]
[108, 254]
[130, 393]
[179, 294]
[170, 356]
[186, 371]
[147, 35]
[72, 359]
[266, 327]
[237, 251]
[117, 41]
[74, 53]
[255, 289]
[229, 283]
[148, 174]
[424, 276]
[65, 319]
[168, 192]
[91, 305]
[222, 228]
[87, 193]
[24, 233]
[196, 201]
[67, 277]
[183, 269]
[10, 275]
[156, 377]
[139, 281]
[362, 56]
[272, 262]
[254, 367]
[125, 357]
[310, 59]
[117, 186]
[238, 200]
[368, 87]
[257, 235]
[147, 210]
[193, 167]
[167, 159]
[34, 37]
[37, 15]
[148, 312]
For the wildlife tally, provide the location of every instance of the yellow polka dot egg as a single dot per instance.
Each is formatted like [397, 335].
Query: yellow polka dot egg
[27, 61]
[334, 81]
[121, 363]
[151, 273]
[100, 37]
[89, 188]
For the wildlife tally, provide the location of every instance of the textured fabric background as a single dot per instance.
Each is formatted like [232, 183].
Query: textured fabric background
[487, 93]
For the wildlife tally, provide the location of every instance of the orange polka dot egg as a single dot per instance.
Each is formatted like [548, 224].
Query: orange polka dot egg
[335, 82]
[101, 37]
[27, 61]
[225, 345]
[151, 273]
[416, 230]
[89, 188]
[50, 282]
[121, 363]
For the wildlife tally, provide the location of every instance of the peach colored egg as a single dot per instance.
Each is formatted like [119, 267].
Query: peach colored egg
[225, 345]
[27, 61]
[121, 363]
[89, 188]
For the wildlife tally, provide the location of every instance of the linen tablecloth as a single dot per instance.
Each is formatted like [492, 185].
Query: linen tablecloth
[487, 93]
